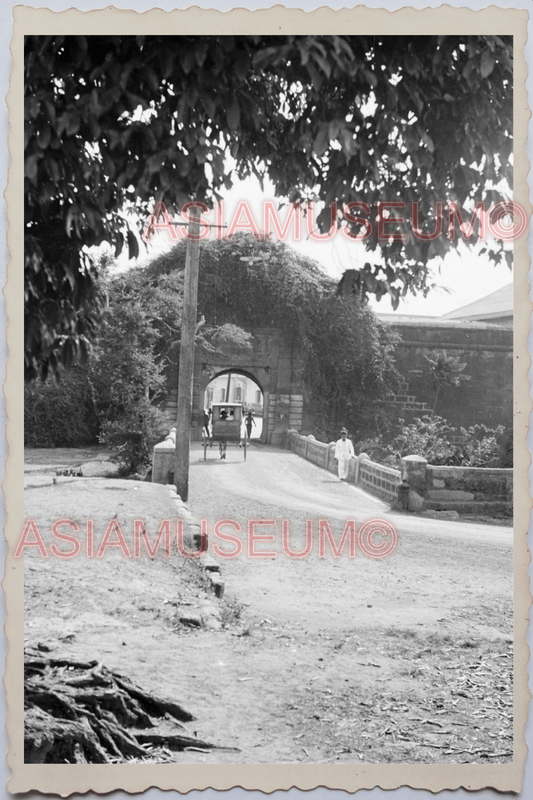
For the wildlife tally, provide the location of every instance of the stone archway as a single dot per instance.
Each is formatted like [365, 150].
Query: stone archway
[208, 379]
[274, 363]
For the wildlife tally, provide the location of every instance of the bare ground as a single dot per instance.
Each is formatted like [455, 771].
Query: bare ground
[405, 659]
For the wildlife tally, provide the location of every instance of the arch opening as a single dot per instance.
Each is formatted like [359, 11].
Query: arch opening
[238, 386]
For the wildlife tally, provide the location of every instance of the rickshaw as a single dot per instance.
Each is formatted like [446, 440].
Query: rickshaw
[226, 424]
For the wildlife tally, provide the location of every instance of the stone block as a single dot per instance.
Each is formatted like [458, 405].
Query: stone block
[217, 584]
[444, 495]
[190, 619]
[163, 459]
[415, 502]
[414, 472]
[209, 564]
[210, 615]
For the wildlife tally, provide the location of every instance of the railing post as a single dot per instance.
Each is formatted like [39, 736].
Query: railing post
[414, 471]
[328, 454]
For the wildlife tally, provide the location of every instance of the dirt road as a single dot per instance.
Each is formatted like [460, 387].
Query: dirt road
[404, 659]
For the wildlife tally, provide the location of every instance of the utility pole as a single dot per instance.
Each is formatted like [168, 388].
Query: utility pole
[186, 370]
[228, 387]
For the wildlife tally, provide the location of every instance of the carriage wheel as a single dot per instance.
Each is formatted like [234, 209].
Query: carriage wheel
[245, 448]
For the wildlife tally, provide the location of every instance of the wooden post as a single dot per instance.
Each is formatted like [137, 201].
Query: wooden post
[186, 370]
[228, 387]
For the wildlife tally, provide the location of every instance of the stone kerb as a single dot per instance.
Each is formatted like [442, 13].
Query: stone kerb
[193, 541]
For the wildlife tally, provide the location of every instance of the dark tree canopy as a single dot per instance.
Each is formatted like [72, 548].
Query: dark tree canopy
[124, 121]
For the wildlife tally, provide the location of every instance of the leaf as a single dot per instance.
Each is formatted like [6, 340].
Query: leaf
[187, 60]
[43, 139]
[323, 64]
[321, 141]
[242, 65]
[133, 245]
[233, 116]
[487, 63]
[31, 167]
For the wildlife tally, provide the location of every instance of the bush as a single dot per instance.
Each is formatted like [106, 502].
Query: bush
[482, 447]
[112, 399]
[60, 414]
[433, 438]
[133, 436]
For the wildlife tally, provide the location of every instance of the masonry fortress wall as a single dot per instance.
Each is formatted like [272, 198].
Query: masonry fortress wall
[487, 350]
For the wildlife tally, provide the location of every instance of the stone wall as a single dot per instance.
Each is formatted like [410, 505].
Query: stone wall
[487, 351]
[465, 489]
[277, 366]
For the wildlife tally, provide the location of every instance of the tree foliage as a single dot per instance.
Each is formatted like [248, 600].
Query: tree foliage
[113, 397]
[446, 371]
[60, 414]
[122, 121]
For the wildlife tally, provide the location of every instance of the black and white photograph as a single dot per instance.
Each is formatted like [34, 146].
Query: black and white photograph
[272, 367]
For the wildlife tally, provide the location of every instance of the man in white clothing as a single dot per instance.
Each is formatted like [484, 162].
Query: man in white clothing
[343, 453]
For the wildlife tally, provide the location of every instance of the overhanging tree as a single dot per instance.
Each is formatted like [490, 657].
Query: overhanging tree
[122, 121]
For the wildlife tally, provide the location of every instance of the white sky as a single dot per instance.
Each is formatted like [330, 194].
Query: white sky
[466, 275]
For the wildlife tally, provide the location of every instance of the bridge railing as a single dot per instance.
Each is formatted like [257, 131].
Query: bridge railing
[379, 480]
[424, 487]
[371, 476]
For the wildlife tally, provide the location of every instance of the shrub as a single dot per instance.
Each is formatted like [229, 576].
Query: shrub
[60, 414]
[432, 438]
[133, 435]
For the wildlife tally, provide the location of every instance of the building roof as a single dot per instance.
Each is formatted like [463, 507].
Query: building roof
[434, 322]
[497, 305]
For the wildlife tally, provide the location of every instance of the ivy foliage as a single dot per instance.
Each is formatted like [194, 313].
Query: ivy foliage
[348, 353]
[116, 122]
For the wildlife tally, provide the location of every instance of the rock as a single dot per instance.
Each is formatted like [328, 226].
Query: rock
[415, 502]
[209, 564]
[217, 584]
[194, 540]
[190, 619]
[210, 615]
[99, 469]
[449, 514]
